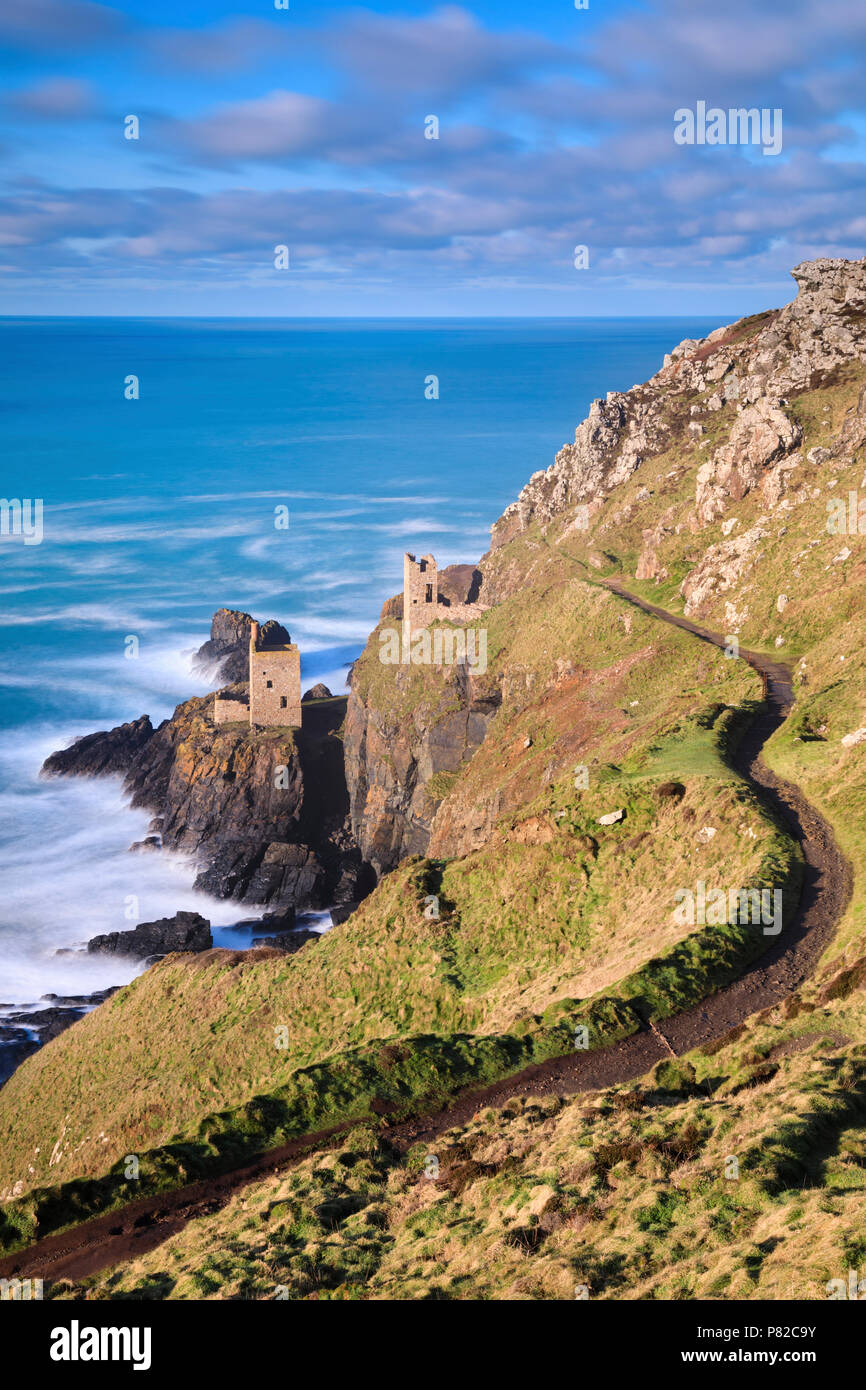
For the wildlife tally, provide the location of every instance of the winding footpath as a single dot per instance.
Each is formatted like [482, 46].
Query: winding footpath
[124, 1235]
[826, 889]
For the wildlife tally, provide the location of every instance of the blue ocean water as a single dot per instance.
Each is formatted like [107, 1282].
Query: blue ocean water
[158, 510]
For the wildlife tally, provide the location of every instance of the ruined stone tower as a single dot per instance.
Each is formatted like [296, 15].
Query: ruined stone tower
[275, 682]
[420, 587]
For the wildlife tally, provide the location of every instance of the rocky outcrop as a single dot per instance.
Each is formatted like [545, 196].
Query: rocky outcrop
[608, 446]
[185, 931]
[649, 565]
[342, 913]
[263, 811]
[102, 754]
[460, 584]
[318, 692]
[225, 657]
[722, 566]
[761, 434]
[755, 365]
[793, 349]
[399, 766]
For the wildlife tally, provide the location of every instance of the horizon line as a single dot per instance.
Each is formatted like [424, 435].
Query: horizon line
[364, 318]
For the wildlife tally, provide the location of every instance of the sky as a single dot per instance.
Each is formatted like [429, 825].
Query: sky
[307, 128]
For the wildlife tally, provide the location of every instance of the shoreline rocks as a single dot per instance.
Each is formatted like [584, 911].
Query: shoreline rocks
[101, 754]
[290, 941]
[185, 931]
[264, 811]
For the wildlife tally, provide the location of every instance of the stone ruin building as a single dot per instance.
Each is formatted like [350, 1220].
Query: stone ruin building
[423, 602]
[420, 586]
[275, 687]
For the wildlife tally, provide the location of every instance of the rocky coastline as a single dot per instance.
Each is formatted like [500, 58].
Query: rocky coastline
[311, 818]
[264, 812]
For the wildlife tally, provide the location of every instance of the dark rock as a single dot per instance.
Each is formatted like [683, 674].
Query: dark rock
[148, 846]
[273, 634]
[226, 654]
[318, 692]
[389, 761]
[342, 912]
[460, 584]
[48, 1022]
[101, 754]
[670, 790]
[80, 1001]
[392, 608]
[185, 931]
[276, 921]
[279, 921]
[289, 941]
[15, 1047]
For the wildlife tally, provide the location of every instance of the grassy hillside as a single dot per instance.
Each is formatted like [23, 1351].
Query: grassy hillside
[738, 1173]
[800, 594]
[554, 907]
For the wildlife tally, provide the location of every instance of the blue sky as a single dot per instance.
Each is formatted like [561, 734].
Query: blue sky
[305, 127]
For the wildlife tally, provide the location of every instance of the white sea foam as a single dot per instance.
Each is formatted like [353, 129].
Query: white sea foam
[67, 874]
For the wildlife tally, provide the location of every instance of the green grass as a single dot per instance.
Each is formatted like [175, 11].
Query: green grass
[631, 1192]
[401, 1076]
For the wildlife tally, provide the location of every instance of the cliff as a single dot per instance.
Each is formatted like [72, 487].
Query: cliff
[689, 482]
[264, 811]
[401, 756]
[752, 366]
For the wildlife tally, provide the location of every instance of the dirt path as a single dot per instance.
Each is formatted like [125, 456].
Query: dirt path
[123, 1235]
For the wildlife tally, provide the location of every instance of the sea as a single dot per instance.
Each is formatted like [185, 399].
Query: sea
[281, 467]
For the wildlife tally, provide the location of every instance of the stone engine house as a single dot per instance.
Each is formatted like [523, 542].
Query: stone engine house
[275, 687]
[422, 601]
[420, 586]
[275, 682]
